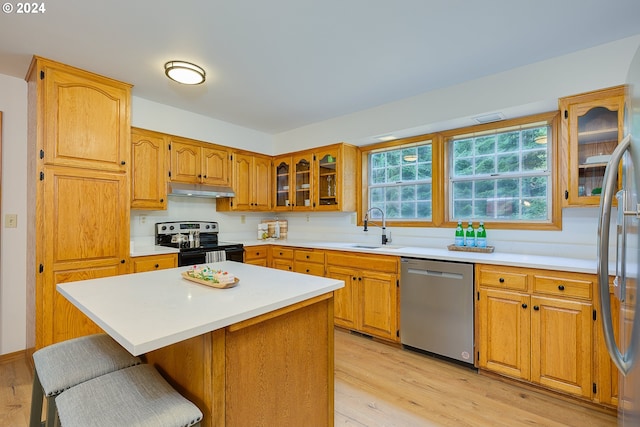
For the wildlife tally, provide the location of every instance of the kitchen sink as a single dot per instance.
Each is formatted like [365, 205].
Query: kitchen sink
[366, 246]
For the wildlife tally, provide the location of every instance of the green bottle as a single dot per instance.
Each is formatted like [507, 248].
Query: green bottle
[481, 236]
[470, 236]
[459, 241]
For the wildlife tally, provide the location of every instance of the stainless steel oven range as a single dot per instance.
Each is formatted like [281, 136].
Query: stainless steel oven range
[198, 242]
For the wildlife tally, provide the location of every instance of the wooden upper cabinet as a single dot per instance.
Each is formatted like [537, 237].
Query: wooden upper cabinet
[335, 178]
[591, 127]
[148, 170]
[198, 162]
[322, 179]
[85, 117]
[215, 166]
[251, 183]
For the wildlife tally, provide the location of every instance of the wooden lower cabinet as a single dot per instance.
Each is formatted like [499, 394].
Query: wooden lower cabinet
[282, 258]
[256, 255]
[369, 301]
[153, 262]
[309, 261]
[538, 328]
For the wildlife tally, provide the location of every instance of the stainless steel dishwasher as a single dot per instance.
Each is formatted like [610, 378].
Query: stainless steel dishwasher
[436, 308]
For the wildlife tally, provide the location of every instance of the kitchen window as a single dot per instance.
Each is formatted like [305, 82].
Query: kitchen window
[400, 181]
[501, 175]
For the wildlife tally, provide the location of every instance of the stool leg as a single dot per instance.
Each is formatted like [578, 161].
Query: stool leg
[52, 412]
[37, 395]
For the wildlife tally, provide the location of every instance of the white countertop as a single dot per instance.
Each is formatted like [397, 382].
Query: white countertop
[496, 258]
[147, 311]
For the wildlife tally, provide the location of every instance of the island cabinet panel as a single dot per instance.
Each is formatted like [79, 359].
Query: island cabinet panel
[272, 370]
[537, 325]
[79, 155]
[369, 301]
[85, 117]
[148, 170]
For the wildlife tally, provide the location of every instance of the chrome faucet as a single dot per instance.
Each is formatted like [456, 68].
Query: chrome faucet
[385, 239]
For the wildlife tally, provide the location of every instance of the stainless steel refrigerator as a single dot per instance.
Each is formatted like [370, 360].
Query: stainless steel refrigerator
[623, 224]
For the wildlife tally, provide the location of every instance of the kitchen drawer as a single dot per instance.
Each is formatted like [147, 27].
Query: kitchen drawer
[309, 268]
[154, 262]
[574, 287]
[255, 252]
[282, 264]
[383, 263]
[281, 253]
[310, 256]
[502, 277]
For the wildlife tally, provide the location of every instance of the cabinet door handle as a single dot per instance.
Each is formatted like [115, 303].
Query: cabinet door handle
[307, 256]
[536, 308]
[205, 177]
[524, 306]
[501, 280]
[561, 287]
[123, 163]
[157, 265]
[307, 270]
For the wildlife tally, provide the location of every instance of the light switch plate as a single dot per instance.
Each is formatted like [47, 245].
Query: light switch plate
[10, 221]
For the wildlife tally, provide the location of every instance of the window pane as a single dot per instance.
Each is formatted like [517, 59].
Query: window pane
[485, 145]
[508, 163]
[400, 183]
[485, 165]
[534, 160]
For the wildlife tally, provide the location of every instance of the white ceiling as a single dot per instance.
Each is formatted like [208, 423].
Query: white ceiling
[276, 65]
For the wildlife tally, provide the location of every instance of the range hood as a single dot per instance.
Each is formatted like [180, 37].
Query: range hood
[199, 190]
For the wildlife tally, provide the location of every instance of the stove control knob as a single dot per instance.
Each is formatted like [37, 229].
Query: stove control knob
[171, 227]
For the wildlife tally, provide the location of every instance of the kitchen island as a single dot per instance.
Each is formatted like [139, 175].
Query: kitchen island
[260, 353]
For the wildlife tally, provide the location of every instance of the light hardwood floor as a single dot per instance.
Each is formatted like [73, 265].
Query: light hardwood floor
[382, 385]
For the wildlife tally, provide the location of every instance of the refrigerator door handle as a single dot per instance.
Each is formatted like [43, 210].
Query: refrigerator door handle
[623, 362]
[619, 282]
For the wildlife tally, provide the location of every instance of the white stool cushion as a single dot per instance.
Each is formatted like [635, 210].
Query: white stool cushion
[136, 396]
[69, 363]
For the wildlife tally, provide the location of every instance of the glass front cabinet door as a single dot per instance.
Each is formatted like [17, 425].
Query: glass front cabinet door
[283, 180]
[327, 179]
[303, 182]
[592, 125]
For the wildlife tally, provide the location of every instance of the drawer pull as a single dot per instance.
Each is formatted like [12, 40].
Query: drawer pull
[501, 280]
[561, 287]
[157, 265]
[524, 305]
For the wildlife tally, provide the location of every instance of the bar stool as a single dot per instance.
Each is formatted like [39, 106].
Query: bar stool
[69, 363]
[136, 396]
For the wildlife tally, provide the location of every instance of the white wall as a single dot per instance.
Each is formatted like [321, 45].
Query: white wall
[526, 90]
[163, 118]
[13, 251]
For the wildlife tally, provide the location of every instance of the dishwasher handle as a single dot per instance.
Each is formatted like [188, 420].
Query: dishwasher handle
[436, 273]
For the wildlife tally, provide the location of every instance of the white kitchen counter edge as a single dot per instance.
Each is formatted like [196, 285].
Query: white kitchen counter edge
[147, 311]
[496, 258]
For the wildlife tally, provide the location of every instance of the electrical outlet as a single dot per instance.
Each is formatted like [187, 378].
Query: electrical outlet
[142, 219]
[243, 219]
[10, 221]
[353, 218]
[307, 217]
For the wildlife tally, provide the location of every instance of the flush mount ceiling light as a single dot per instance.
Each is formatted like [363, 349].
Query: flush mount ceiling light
[184, 72]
